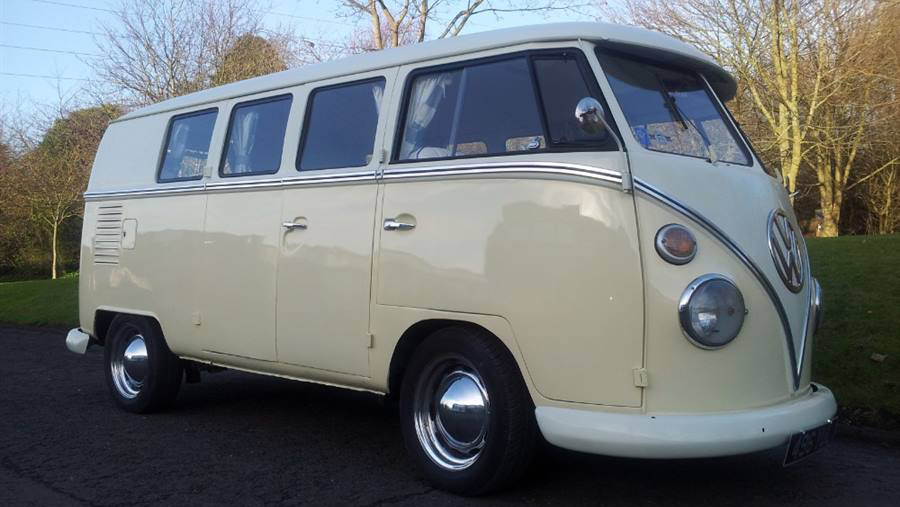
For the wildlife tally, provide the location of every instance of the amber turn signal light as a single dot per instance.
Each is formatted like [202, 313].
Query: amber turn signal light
[676, 244]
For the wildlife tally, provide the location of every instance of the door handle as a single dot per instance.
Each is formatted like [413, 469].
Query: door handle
[391, 224]
[293, 225]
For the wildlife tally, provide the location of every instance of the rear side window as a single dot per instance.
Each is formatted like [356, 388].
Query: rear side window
[340, 126]
[187, 146]
[523, 103]
[256, 137]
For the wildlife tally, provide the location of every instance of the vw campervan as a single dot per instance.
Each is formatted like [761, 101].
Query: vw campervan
[554, 231]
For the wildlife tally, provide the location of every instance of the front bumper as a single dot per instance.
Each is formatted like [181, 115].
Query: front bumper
[685, 435]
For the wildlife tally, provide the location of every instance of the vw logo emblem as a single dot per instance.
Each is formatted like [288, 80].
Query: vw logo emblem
[785, 248]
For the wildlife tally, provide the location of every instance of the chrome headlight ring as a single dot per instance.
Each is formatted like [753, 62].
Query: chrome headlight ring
[711, 304]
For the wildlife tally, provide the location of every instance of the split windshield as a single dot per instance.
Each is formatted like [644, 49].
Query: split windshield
[671, 110]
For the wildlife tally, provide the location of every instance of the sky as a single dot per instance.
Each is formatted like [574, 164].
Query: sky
[44, 44]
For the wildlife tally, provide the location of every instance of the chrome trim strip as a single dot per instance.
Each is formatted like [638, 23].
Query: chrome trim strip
[577, 170]
[656, 194]
[328, 178]
[184, 189]
[236, 185]
[574, 170]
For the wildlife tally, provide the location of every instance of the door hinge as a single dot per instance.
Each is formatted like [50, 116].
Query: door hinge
[370, 340]
[195, 318]
[640, 377]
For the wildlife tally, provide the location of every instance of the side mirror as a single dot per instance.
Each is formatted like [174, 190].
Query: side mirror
[590, 115]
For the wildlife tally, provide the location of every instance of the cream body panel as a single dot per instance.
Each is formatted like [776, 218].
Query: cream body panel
[558, 259]
[237, 277]
[158, 277]
[751, 371]
[324, 277]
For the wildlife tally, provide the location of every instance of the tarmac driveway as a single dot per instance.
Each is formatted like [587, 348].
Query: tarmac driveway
[240, 439]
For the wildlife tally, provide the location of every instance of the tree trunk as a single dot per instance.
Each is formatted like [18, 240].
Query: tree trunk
[53, 253]
[831, 214]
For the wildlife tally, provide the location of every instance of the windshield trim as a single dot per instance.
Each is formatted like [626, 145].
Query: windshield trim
[742, 143]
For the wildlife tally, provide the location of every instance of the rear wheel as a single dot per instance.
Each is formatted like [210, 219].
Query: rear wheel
[142, 373]
[467, 418]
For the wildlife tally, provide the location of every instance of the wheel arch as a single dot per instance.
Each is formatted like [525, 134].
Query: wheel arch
[415, 334]
[104, 317]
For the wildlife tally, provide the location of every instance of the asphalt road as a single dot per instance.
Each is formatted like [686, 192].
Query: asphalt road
[240, 439]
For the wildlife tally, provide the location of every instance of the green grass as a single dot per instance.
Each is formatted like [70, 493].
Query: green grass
[40, 302]
[860, 277]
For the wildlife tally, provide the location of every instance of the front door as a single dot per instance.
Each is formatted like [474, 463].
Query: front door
[325, 264]
[496, 203]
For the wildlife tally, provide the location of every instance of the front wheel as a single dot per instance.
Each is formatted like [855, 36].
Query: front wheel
[467, 419]
[142, 373]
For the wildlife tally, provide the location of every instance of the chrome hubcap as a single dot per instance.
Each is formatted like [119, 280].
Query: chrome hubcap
[129, 366]
[452, 412]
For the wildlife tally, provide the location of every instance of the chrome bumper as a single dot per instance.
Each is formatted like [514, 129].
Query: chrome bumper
[685, 435]
[77, 341]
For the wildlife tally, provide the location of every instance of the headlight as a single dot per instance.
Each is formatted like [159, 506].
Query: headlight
[711, 311]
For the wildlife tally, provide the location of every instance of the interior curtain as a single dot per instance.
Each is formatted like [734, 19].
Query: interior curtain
[378, 94]
[428, 93]
[177, 147]
[244, 137]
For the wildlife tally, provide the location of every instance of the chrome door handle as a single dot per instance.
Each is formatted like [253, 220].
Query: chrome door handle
[392, 225]
[293, 225]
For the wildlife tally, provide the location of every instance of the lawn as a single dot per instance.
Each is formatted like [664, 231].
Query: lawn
[40, 302]
[860, 276]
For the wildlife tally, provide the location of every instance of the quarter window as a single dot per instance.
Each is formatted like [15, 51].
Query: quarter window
[340, 126]
[562, 85]
[256, 137]
[187, 146]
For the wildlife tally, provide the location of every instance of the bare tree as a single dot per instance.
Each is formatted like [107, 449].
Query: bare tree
[812, 75]
[767, 44]
[158, 49]
[397, 22]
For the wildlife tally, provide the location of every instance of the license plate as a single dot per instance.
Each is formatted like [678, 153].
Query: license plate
[807, 442]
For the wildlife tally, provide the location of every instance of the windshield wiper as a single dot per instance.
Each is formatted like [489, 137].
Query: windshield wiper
[679, 116]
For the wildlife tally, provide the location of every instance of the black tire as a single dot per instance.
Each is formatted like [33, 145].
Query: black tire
[510, 432]
[162, 371]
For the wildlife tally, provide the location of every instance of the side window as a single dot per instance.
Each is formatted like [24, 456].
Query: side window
[187, 146]
[256, 137]
[340, 126]
[481, 109]
[562, 84]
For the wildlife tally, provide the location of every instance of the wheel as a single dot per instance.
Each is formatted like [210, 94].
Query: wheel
[142, 373]
[466, 415]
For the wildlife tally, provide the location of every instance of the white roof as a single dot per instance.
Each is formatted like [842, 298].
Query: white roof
[637, 41]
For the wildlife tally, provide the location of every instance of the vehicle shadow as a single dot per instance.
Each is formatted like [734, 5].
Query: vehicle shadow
[365, 430]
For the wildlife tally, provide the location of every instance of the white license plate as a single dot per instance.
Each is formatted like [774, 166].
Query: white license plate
[807, 442]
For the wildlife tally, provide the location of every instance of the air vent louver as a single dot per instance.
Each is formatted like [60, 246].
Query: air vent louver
[108, 234]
